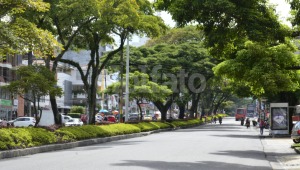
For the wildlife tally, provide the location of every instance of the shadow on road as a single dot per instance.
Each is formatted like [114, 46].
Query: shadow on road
[238, 136]
[205, 165]
[253, 154]
[102, 146]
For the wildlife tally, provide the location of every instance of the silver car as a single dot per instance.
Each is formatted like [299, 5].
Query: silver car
[296, 133]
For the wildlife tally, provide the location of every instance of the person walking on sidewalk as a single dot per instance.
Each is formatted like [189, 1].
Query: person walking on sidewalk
[261, 126]
[247, 123]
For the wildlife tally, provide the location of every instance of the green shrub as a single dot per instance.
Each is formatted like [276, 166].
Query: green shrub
[120, 129]
[162, 125]
[21, 137]
[77, 131]
[77, 109]
[182, 123]
[145, 126]
[41, 136]
[15, 138]
[64, 136]
[74, 115]
[6, 141]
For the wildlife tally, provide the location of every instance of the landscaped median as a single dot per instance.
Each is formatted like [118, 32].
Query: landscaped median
[296, 147]
[24, 141]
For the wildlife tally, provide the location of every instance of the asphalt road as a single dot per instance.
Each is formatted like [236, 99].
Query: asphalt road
[229, 146]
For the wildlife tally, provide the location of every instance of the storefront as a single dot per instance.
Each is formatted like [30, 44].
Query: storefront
[6, 110]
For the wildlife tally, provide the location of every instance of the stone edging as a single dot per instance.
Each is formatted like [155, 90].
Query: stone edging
[297, 150]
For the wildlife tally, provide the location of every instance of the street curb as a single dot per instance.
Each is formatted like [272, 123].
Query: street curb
[297, 150]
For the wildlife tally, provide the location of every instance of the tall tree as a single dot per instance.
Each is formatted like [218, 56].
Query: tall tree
[122, 18]
[263, 69]
[81, 24]
[228, 23]
[142, 89]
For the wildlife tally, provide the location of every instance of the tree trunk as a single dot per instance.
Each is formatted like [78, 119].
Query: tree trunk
[140, 108]
[57, 117]
[163, 108]
[194, 107]
[181, 111]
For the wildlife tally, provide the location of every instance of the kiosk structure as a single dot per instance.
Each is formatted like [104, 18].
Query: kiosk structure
[279, 119]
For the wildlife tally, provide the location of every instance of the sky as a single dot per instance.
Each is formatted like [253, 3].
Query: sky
[282, 9]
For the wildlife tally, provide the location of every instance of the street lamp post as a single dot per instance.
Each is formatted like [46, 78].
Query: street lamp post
[127, 82]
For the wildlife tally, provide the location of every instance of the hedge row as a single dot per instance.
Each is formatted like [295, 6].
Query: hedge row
[16, 138]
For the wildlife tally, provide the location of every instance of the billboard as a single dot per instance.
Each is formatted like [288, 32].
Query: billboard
[279, 119]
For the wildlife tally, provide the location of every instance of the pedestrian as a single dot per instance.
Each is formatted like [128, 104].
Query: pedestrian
[220, 119]
[215, 120]
[242, 121]
[248, 123]
[262, 126]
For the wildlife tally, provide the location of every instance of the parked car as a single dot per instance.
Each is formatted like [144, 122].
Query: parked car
[65, 118]
[98, 117]
[23, 122]
[147, 117]
[133, 117]
[296, 133]
[74, 122]
[3, 123]
[110, 118]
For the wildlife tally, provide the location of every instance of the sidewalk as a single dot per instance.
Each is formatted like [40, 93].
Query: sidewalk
[279, 153]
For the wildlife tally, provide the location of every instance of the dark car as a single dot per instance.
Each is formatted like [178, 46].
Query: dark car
[296, 133]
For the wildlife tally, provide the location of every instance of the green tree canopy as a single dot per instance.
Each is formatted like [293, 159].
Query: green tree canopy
[142, 89]
[263, 69]
[19, 35]
[37, 81]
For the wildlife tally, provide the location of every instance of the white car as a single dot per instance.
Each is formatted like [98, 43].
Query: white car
[24, 122]
[65, 119]
[296, 133]
[74, 122]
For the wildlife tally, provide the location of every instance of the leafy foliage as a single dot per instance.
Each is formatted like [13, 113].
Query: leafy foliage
[19, 35]
[15, 138]
[77, 109]
[263, 69]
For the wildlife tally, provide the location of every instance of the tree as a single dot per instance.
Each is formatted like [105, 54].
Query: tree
[39, 81]
[82, 24]
[122, 18]
[263, 69]
[19, 35]
[227, 23]
[142, 89]
[183, 65]
[218, 91]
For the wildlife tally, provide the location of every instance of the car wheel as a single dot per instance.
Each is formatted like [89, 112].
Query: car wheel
[296, 140]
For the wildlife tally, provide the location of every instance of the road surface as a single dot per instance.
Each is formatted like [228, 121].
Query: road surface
[228, 146]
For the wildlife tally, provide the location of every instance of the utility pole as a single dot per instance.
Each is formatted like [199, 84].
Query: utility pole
[127, 82]
[121, 90]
